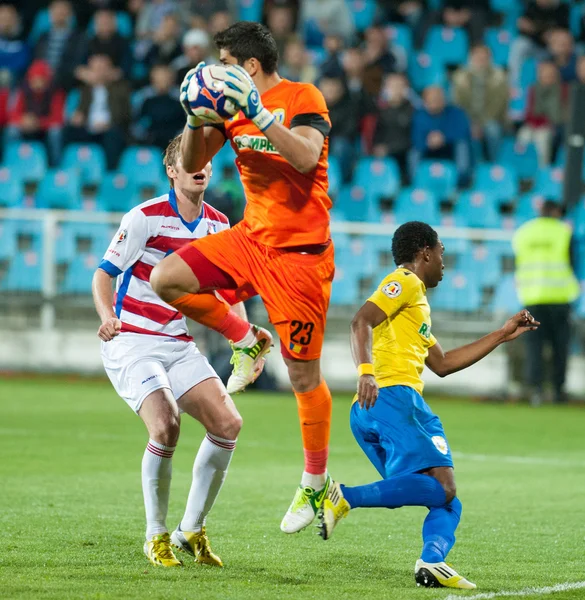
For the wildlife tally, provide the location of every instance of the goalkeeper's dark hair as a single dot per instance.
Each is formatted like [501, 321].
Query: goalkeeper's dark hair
[248, 39]
[410, 238]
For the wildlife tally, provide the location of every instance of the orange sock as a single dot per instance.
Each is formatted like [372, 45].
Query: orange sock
[206, 308]
[315, 416]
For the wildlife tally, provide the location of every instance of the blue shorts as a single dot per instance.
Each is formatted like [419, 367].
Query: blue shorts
[400, 434]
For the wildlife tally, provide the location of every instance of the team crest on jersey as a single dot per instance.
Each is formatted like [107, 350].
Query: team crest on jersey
[122, 235]
[440, 444]
[392, 289]
[211, 227]
[279, 115]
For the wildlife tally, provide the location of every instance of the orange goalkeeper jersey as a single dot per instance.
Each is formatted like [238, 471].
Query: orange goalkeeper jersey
[284, 207]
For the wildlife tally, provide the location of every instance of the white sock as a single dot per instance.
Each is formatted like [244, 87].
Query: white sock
[317, 482]
[157, 469]
[209, 471]
[248, 340]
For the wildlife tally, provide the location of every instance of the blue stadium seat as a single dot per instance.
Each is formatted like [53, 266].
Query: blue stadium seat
[27, 159]
[498, 40]
[483, 263]
[528, 207]
[250, 10]
[224, 158]
[79, 274]
[11, 188]
[549, 183]
[437, 175]
[142, 164]
[458, 292]
[498, 179]
[90, 159]
[8, 241]
[380, 176]
[417, 204]
[116, 193]
[521, 157]
[345, 288]
[456, 246]
[426, 70]
[42, 24]
[24, 273]
[575, 16]
[335, 176]
[363, 13]
[561, 157]
[449, 45]
[528, 73]
[580, 306]
[506, 6]
[356, 205]
[400, 36]
[75, 239]
[477, 209]
[29, 234]
[72, 102]
[505, 299]
[61, 188]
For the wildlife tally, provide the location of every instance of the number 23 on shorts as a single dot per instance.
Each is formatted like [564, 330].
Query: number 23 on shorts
[301, 334]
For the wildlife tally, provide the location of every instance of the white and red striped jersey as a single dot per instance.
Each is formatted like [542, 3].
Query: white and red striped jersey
[147, 234]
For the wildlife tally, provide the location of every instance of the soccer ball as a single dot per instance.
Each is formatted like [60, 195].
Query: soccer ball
[205, 95]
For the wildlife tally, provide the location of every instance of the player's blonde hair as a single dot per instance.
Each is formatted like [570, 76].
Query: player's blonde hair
[172, 154]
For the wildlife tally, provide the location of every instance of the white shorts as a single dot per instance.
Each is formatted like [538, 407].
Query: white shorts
[138, 364]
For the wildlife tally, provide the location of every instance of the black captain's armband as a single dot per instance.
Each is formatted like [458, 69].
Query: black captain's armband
[314, 120]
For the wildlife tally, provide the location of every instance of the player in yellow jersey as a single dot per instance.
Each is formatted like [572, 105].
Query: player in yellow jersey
[391, 341]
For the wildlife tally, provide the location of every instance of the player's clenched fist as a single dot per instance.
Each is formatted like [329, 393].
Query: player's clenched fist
[241, 89]
[110, 329]
[367, 391]
[518, 324]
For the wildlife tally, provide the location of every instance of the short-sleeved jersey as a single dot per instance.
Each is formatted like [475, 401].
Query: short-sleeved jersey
[284, 207]
[401, 343]
[148, 233]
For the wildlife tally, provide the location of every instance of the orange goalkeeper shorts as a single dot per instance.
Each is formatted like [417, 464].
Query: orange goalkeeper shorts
[295, 284]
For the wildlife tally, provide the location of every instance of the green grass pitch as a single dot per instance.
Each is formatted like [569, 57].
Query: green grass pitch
[72, 518]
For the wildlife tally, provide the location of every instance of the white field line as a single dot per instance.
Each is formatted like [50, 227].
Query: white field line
[542, 591]
[518, 460]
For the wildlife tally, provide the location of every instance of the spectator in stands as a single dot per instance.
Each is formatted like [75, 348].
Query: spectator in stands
[471, 16]
[345, 114]
[280, 21]
[219, 21]
[319, 18]
[332, 63]
[103, 114]
[296, 63]
[161, 117]
[107, 40]
[195, 13]
[408, 12]
[166, 45]
[63, 47]
[150, 15]
[392, 136]
[580, 71]
[561, 47]
[442, 131]
[14, 51]
[534, 26]
[482, 91]
[379, 60]
[86, 10]
[546, 286]
[38, 108]
[546, 112]
[195, 49]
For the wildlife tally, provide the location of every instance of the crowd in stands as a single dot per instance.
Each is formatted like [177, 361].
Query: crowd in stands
[407, 79]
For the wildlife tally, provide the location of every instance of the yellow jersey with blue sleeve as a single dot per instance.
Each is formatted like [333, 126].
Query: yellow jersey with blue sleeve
[401, 343]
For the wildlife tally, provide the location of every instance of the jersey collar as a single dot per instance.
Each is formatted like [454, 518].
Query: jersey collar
[424, 287]
[191, 226]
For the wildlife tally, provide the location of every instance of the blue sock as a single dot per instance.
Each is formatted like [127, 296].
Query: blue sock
[407, 490]
[439, 531]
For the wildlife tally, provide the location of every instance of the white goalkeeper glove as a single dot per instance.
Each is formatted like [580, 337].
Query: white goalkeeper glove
[240, 88]
[192, 121]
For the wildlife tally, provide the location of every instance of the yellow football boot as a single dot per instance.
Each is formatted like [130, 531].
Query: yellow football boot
[335, 508]
[197, 545]
[439, 575]
[159, 551]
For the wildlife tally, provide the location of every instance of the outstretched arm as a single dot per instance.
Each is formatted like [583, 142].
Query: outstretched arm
[367, 317]
[445, 363]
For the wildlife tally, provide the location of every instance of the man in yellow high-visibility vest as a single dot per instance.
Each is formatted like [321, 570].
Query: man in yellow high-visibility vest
[546, 286]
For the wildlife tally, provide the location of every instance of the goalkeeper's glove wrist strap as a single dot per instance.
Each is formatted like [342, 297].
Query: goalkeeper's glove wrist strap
[263, 120]
[193, 122]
